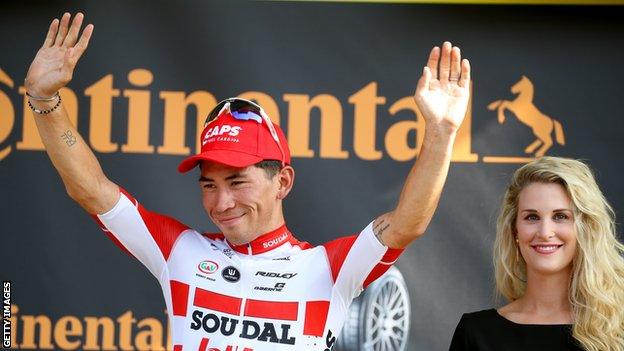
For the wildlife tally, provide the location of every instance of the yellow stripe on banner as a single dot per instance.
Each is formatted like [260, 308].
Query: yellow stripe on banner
[476, 2]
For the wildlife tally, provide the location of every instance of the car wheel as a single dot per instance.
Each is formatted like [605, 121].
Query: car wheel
[379, 319]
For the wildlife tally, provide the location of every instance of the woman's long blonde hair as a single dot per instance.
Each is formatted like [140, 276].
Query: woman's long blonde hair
[597, 284]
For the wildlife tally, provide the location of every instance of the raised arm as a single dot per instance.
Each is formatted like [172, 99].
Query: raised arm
[51, 70]
[442, 97]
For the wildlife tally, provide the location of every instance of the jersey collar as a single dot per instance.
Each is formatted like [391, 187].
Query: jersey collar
[266, 242]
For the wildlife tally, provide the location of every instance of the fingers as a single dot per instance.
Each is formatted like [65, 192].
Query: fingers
[49, 40]
[445, 62]
[425, 79]
[72, 35]
[447, 66]
[455, 65]
[83, 42]
[434, 56]
[465, 74]
[62, 32]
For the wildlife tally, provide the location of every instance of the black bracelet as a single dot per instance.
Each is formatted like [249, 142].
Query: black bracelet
[45, 112]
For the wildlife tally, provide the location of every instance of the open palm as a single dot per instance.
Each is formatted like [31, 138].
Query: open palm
[55, 61]
[444, 88]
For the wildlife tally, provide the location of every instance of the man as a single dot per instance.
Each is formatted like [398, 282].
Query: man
[253, 286]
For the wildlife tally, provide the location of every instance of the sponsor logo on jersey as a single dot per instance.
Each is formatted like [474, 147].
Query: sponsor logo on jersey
[285, 258]
[278, 287]
[231, 274]
[276, 275]
[208, 266]
[330, 340]
[228, 252]
[276, 241]
[226, 326]
[205, 345]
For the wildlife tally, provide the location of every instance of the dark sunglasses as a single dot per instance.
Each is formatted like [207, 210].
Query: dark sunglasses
[245, 110]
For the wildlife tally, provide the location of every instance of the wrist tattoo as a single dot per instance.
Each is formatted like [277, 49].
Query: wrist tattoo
[69, 138]
[379, 228]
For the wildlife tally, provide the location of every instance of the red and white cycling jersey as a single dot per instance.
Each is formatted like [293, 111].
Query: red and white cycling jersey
[275, 293]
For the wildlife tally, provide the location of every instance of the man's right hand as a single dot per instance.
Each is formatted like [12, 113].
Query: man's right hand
[55, 61]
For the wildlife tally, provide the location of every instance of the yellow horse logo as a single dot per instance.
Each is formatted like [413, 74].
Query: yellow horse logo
[526, 112]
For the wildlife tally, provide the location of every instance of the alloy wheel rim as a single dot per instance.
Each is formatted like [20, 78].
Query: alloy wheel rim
[388, 323]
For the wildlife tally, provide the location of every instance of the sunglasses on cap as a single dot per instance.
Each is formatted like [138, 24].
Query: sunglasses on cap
[245, 110]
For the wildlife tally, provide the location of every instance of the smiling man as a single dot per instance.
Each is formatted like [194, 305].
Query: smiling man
[253, 286]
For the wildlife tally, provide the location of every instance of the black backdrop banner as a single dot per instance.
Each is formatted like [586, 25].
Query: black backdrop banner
[338, 78]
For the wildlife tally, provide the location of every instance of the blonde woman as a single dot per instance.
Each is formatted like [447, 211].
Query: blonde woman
[558, 260]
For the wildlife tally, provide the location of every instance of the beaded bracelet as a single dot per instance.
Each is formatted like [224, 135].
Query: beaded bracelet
[44, 112]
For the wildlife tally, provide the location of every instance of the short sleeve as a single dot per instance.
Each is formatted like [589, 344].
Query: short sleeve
[356, 261]
[146, 235]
